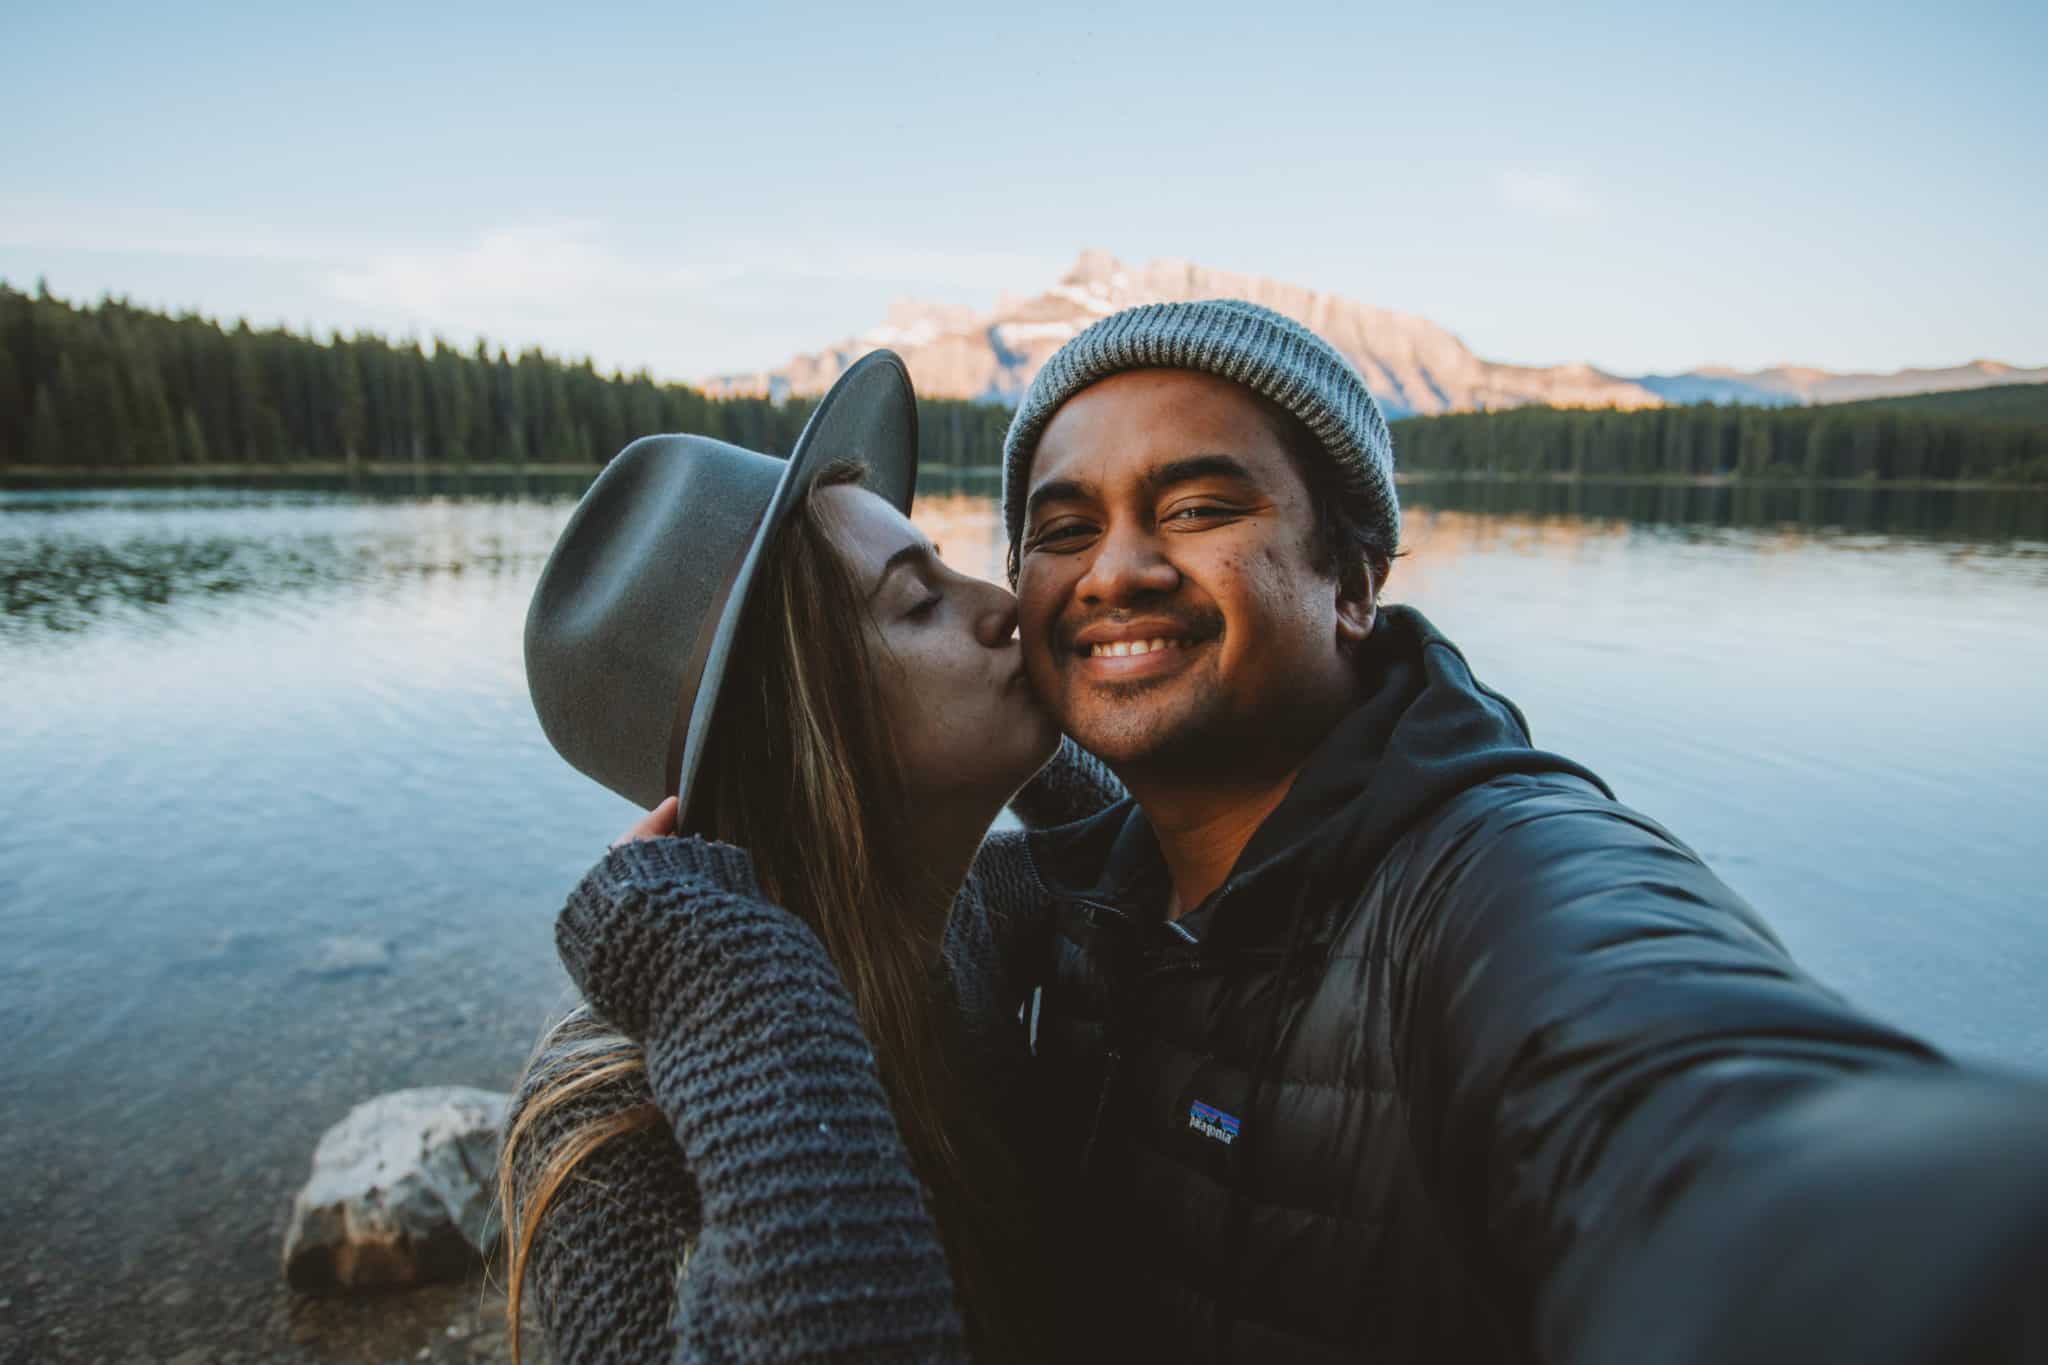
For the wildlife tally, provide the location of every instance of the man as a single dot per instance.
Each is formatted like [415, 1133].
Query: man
[1372, 1031]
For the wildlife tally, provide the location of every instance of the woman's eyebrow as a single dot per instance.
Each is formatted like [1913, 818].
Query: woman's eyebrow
[917, 552]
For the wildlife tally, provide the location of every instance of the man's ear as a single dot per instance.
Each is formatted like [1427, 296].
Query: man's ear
[1358, 595]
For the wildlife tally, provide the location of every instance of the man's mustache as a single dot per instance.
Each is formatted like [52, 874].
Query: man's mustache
[1182, 623]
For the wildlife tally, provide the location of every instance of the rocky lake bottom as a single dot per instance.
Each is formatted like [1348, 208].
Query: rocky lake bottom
[155, 1226]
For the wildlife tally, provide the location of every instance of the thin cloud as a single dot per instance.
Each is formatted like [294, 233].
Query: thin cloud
[573, 283]
[556, 270]
[576, 286]
[1547, 194]
[530, 274]
[38, 224]
[990, 271]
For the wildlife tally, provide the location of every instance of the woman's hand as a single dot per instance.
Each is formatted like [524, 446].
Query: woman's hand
[658, 823]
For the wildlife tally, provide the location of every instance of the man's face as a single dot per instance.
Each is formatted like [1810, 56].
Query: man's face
[1169, 605]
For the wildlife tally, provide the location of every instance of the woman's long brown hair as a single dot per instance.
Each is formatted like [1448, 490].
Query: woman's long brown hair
[802, 773]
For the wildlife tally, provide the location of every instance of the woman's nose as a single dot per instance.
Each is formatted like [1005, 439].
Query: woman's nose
[995, 622]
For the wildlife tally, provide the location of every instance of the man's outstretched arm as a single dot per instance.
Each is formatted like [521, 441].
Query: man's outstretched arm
[1657, 1139]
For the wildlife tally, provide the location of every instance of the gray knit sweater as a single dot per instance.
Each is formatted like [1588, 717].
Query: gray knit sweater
[775, 1217]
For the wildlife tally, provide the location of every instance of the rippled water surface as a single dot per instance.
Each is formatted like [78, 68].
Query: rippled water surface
[278, 830]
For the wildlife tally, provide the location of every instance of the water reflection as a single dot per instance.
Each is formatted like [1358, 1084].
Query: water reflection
[71, 563]
[1928, 514]
[1982, 515]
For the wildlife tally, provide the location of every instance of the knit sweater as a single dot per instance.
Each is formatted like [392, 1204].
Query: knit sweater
[774, 1214]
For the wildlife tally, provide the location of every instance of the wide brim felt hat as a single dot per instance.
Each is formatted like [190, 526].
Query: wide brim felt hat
[629, 637]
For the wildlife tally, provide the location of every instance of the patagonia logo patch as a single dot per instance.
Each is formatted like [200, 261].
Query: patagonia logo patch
[1212, 1122]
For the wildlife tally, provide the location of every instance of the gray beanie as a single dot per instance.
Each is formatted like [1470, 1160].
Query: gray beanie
[1270, 354]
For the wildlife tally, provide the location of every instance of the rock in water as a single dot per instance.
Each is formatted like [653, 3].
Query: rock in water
[400, 1192]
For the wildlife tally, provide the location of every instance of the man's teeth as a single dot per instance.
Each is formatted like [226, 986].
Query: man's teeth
[1118, 649]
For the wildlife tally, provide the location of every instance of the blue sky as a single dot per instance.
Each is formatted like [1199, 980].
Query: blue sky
[1852, 186]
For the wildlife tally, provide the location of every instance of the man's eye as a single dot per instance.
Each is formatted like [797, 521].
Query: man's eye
[1200, 512]
[1052, 535]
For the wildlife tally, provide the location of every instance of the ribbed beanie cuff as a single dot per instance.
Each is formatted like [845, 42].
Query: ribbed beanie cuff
[1263, 350]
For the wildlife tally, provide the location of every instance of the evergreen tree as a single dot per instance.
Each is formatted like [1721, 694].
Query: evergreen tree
[116, 385]
[351, 405]
[191, 441]
[47, 446]
[13, 398]
[156, 432]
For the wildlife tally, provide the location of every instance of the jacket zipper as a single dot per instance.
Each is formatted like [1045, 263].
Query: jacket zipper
[1112, 1057]
[1123, 987]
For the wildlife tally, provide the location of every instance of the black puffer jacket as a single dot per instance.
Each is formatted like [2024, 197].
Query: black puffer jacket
[1467, 1061]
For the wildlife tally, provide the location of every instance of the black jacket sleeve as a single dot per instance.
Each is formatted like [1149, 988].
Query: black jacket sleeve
[1656, 1139]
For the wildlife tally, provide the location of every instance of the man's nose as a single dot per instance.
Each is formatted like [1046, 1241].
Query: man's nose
[1127, 563]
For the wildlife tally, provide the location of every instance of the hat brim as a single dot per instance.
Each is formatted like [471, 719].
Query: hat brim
[868, 415]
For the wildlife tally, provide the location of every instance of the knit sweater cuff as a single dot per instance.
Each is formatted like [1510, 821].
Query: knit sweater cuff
[1073, 786]
[651, 863]
[639, 911]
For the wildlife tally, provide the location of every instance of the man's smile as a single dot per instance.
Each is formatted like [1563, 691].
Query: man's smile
[1117, 649]
[1127, 651]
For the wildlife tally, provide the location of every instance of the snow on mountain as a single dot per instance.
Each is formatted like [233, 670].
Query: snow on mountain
[1787, 385]
[1413, 366]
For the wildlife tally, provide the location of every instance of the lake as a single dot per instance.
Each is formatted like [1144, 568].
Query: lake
[278, 829]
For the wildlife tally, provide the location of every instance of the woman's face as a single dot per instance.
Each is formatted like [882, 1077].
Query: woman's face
[966, 723]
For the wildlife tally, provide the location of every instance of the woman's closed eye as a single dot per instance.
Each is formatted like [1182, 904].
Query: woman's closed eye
[923, 608]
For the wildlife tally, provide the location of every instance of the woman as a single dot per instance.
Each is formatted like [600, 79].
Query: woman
[707, 1159]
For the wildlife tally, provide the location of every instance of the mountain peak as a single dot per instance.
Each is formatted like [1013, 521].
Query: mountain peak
[1412, 365]
[1093, 267]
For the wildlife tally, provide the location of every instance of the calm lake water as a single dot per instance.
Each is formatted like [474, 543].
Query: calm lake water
[278, 830]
